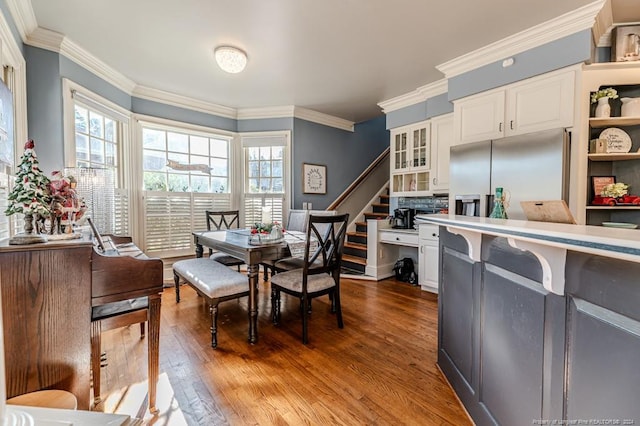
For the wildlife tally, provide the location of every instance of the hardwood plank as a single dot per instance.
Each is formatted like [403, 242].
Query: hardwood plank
[379, 369]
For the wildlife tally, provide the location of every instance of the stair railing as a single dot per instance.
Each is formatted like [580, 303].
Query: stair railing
[357, 196]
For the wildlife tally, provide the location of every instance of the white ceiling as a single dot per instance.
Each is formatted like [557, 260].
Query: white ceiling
[338, 57]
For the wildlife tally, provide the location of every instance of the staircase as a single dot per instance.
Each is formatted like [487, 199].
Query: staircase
[354, 259]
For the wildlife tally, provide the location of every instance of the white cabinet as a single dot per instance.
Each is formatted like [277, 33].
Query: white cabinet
[429, 257]
[411, 159]
[399, 237]
[539, 103]
[441, 141]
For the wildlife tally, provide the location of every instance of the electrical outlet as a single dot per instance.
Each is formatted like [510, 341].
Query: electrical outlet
[309, 206]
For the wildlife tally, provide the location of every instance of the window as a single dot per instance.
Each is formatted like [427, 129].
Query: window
[265, 177]
[186, 170]
[96, 139]
[95, 151]
[182, 162]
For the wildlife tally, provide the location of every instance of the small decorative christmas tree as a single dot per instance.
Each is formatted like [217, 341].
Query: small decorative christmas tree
[29, 195]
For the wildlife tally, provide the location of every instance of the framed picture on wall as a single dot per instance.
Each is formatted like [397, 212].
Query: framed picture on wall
[314, 179]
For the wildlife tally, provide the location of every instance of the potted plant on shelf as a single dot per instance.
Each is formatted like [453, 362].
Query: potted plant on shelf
[601, 98]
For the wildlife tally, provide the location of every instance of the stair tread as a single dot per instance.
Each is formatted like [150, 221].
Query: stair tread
[357, 234]
[354, 259]
[361, 223]
[376, 214]
[358, 246]
[380, 204]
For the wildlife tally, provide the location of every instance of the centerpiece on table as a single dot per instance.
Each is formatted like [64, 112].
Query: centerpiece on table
[266, 233]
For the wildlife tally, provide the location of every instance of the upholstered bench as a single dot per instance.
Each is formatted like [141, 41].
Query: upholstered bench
[213, 281]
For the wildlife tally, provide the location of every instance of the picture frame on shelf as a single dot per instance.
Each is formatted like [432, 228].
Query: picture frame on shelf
[625, 43]
[599, 182]
[314, 178]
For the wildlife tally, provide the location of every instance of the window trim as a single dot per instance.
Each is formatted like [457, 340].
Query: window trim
[70, 90]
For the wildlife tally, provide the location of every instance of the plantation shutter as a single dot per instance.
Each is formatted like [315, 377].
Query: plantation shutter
[171, 217]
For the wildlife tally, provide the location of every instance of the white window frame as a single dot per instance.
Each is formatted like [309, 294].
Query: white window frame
[189, 204]
[125, 202]
[254, 139]
[11, 56]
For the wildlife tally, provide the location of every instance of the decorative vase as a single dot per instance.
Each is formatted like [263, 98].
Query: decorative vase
[603, 109]
[498, 211]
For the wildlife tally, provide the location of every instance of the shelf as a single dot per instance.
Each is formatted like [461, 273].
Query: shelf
[599, 123]
[615, 156]
[613, 207]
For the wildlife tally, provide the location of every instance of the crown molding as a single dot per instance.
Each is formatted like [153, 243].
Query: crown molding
[285, 111]
[324, 119]
[56, 42]
[23, 16]
[421, 94]
[434, 89]
[183, 102]
[554, 29]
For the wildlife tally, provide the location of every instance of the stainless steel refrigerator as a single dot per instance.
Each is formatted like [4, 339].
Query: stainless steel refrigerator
[534, 166]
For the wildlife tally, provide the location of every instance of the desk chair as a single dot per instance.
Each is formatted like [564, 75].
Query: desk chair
[320, 273]
[220, 220]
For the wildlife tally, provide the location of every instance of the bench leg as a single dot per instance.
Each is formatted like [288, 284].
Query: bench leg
[213, 310]
[176, 280]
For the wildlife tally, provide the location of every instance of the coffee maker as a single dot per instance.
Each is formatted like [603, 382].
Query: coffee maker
[403, 218]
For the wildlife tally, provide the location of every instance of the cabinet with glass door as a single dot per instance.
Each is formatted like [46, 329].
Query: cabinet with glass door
[411, 159]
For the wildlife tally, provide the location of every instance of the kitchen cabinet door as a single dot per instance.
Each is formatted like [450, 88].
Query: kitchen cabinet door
[441, 141]
[540, 104]
[479, 117]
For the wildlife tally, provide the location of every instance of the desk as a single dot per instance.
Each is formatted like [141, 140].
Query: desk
[236, 243]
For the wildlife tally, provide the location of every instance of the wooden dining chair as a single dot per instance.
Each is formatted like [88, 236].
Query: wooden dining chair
[320, 273]
[221, 220]
[297, 221]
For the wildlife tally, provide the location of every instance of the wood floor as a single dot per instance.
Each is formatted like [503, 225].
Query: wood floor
[379, 370]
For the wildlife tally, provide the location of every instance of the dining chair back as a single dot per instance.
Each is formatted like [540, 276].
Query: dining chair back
[320, 273]
[222, 220]
[297, 221]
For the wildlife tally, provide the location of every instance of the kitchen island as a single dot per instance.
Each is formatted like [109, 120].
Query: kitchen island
[539, 323]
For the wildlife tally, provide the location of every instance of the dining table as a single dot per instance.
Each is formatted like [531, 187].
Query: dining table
[241, 243]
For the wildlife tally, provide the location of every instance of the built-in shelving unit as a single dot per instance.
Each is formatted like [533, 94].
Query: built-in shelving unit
[623, 166]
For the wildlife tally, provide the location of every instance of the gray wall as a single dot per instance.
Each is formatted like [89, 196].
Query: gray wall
[346, 155]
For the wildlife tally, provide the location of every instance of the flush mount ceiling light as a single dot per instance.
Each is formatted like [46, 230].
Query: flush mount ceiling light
[230, 59]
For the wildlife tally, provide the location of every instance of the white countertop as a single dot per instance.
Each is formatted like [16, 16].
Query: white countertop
[612, 242]
[549, 242]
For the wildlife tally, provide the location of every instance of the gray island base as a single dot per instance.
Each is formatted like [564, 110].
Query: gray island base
[539, 323]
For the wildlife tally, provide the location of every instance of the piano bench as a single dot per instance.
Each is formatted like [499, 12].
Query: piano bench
[213, 281]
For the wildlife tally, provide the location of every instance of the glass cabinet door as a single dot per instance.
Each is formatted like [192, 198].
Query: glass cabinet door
[400, 151]
[421, 148]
